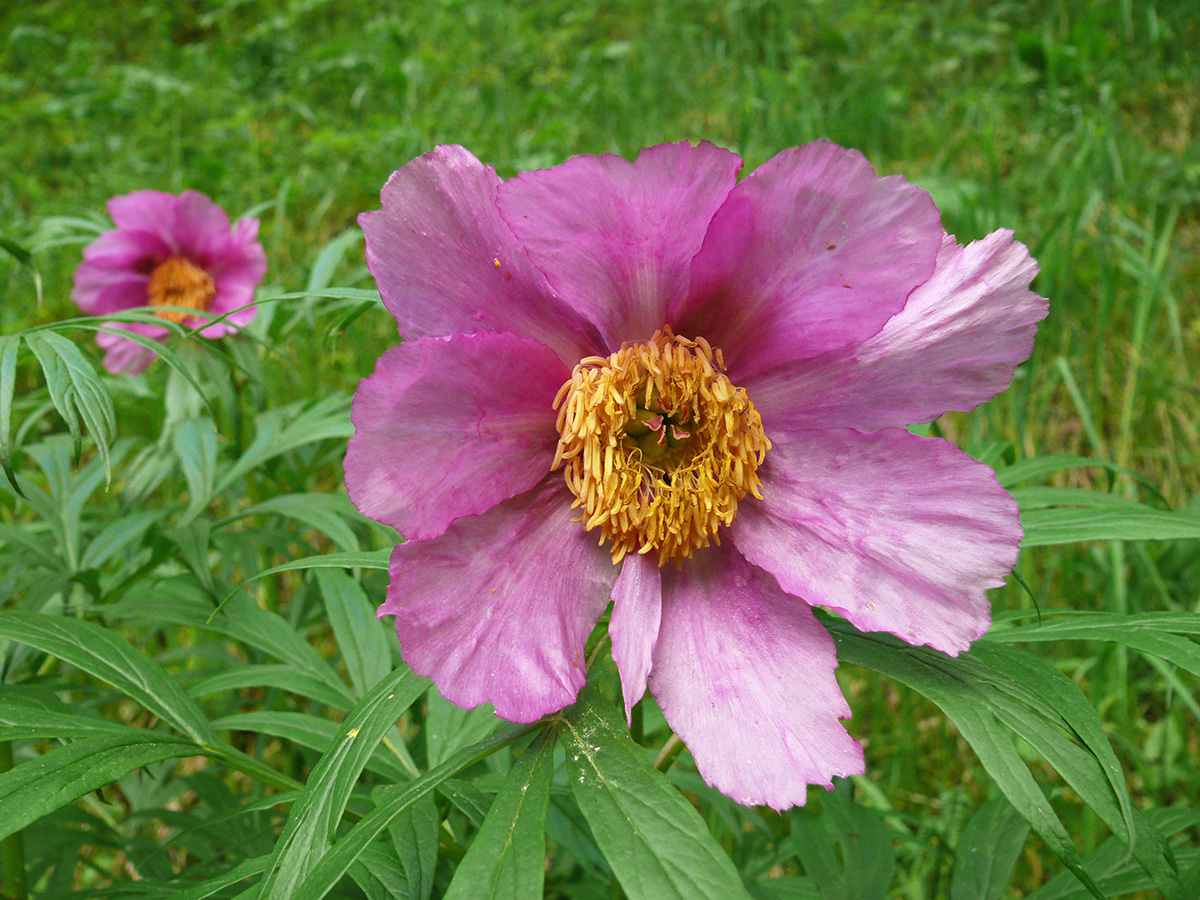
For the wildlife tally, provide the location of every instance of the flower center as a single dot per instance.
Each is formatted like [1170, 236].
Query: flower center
[180, 282]
[658, 446]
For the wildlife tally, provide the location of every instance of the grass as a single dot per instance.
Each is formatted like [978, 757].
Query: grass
[1075, 124]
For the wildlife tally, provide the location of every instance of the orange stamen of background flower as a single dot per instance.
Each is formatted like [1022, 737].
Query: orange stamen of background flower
[177, 281]
[658, 446]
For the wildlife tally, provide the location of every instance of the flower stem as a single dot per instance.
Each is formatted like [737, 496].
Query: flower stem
[668, 754]
[12, 848]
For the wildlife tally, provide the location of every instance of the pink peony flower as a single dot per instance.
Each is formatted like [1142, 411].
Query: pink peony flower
[649, 383]
[168, 251]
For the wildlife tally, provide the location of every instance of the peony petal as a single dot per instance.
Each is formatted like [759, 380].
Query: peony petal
[123, 356]
[637, 608]
[126, 250]
[953, 346]
[201, 229]
[744, 674]
[616, 238]
[895, 532]
[499, 608]
[99, 291]
[449, 427]
[812, 252]
[150, 212]
[446, 262]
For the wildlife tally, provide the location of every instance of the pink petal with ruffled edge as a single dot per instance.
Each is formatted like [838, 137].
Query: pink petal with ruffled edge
[953, 346]
[637, 608]
[202, 229]
[744, 675]
[810, 253]
[445, 261]
[149, 212]
[616, 238]
[499, 608]
[99, 290]
[449, 427]
[895, 532]
[123, 356]
[125, 250]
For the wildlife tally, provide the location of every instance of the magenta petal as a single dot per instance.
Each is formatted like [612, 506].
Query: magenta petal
[101, 290]
[201, 228]
[149, 212]
[449, 427]
[637, 608]
[123, 356]
[499, 608]
[125, 249]
[897, 533]
[744, 674]
[616, 238]
[810, 253]
[446, 262]
[953, 346]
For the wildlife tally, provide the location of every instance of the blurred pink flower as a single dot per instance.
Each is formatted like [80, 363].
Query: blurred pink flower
[168, 251]
[648, 383]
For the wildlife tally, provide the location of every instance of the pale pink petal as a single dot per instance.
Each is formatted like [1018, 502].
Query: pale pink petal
[637, 607]
[449, 427]
[123, 356]
[744, 675]
[498, 609]
[810, 253]
[149, 212]
[99, 291]
[895, 532]
[953, 346]
[446, 262]
[201, 228]
[616, 238]
[118, 249]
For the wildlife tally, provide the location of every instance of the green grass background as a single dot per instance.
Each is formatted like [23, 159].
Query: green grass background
[1073, 123]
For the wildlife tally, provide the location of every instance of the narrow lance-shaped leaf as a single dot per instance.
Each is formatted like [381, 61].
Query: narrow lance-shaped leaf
[313, 820]
[39, 786]
[507, 859]
[657, 844]
[76, 390]
[10, 345]
[109, 657]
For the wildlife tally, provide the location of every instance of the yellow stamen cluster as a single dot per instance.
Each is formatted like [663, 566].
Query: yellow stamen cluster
[658, 446]
[180, 282]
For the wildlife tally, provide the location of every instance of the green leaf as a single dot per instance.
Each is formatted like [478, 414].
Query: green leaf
[374, 559]
[414, 836]
[987, 850]
[328, 513]
[314, 819]
[507, 859]
[40, 786]
[76, 391]
[280, 676]
[359, 634]
[109, 657]
[953, 689]
[336, 862]
[245, 869]
[654, 840]
[307, 731]
[21, 719]
[10, 346]
[195, 443]
[1068, 515]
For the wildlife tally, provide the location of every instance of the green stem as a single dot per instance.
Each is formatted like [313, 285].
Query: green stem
[12, 848]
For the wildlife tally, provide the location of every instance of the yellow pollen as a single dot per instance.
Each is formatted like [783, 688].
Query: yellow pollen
[180, 282]
[658, 446]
